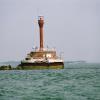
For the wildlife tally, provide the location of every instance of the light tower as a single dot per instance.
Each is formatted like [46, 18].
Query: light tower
[41, 22]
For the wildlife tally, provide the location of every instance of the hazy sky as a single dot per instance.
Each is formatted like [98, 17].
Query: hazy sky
[72, 26]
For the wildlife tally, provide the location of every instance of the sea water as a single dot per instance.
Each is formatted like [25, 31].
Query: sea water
[77, 81]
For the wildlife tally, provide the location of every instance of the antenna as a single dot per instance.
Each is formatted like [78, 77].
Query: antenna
[35, 32]
[61, 55]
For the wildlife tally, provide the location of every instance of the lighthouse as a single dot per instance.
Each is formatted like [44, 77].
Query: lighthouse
[42, 58]
[41, 23]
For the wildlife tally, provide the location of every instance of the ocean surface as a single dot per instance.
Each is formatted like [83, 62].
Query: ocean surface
[77, 81]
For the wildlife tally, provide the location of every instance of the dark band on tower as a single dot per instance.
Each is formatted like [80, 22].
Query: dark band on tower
[41, 22]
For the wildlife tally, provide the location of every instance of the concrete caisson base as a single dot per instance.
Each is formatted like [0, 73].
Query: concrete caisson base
[30, 66]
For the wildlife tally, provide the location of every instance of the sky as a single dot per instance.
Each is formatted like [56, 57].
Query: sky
[71, 26]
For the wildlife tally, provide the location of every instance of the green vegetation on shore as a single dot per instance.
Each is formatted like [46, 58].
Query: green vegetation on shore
[6, 67]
